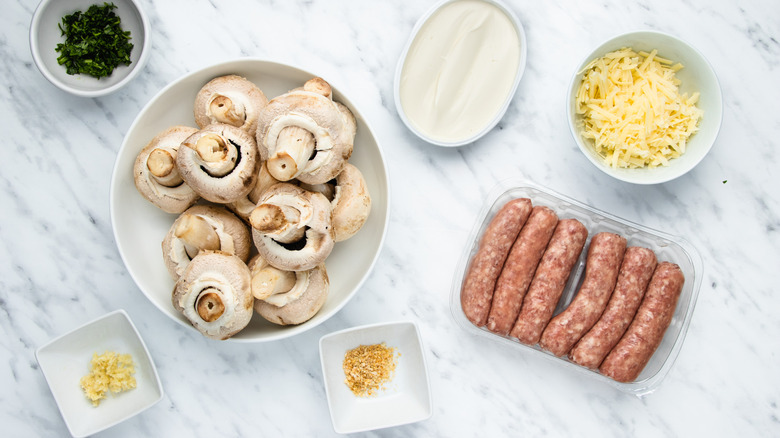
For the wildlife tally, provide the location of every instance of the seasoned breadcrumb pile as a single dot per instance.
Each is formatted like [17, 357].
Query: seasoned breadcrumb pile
[368, 368]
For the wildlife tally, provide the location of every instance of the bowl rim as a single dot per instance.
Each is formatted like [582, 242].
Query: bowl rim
[518, 25]
[35, 25]
[290, 331]
[622, 176]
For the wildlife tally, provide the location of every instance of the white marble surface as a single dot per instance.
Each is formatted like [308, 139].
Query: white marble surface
[60, 267]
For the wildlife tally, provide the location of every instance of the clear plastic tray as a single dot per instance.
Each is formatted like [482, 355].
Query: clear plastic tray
[667, 248]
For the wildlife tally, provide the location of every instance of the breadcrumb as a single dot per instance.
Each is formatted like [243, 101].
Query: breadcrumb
[368, 368]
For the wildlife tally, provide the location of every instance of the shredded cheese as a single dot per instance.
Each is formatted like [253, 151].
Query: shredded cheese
[109, 372]
[632, 111]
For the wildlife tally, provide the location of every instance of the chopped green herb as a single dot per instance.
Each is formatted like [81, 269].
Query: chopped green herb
[725, 181]
[95, 43]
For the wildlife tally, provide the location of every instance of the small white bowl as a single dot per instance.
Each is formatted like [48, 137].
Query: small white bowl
[45, 34]
[66, 359]
[696, 75]
[449, 139]
[406, 399]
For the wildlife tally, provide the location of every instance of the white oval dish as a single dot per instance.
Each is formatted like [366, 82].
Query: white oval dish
[139, 226]
[502, 83]
[696, 75]
[45, 35]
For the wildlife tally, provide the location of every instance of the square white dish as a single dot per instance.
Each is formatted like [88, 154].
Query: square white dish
[66, 359]
[405, 399]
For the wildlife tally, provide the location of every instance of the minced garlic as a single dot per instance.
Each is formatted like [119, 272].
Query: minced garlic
[368, 368]
[109, 372]
[632, 110]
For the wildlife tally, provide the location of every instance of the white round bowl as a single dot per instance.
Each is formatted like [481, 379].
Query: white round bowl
[139, 227]
[696, 75]
[496, 117]
[45, 35]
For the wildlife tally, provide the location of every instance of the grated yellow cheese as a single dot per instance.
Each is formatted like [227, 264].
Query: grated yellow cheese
[632, 109]
[109, 372]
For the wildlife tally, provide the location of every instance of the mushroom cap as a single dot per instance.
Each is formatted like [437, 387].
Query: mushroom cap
[314, 220]
[229, 99]
[300, 303]
[223, 281]
[231, 169]
[171, 199]
[349, 199]
[233, 237]
[332, 125]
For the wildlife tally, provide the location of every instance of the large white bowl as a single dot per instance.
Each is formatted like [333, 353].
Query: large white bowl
[697, 75]
[139, 226]
[45, 35]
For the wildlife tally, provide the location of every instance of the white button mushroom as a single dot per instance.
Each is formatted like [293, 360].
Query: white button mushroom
[229, 99]
[350, 201]
[292, 227]
[214, 293]
[204, 227]
[286, 297]
[220, 162]
[155, 173]
[305, 135]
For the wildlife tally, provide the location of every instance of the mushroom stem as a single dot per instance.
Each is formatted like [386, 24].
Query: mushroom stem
[162, 167]
[217, 157]
[294, 147]
[209, 305]
[196, 234]
[211, 148]
[223, 110]
[280, 220]
[271, 281]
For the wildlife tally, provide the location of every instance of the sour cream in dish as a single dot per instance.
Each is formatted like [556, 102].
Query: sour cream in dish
[460, 70]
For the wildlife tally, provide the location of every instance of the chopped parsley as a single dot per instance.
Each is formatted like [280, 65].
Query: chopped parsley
[95, 43]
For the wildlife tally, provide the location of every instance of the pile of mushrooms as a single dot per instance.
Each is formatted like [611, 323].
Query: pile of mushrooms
[263, 191]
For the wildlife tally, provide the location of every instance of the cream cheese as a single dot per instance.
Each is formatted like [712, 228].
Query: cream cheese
[459, 70]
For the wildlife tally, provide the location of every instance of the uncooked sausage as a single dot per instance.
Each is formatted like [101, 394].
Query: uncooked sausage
[549, 280]
[601, 270]
[632, 353]
[477, 291]
[519, 269]
[635, 272]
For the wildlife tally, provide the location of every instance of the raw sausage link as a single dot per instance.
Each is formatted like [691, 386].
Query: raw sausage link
[551, 276]
[519, 269]
[632, 353]
[477, 292]
[635, 272]
[601, 270]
